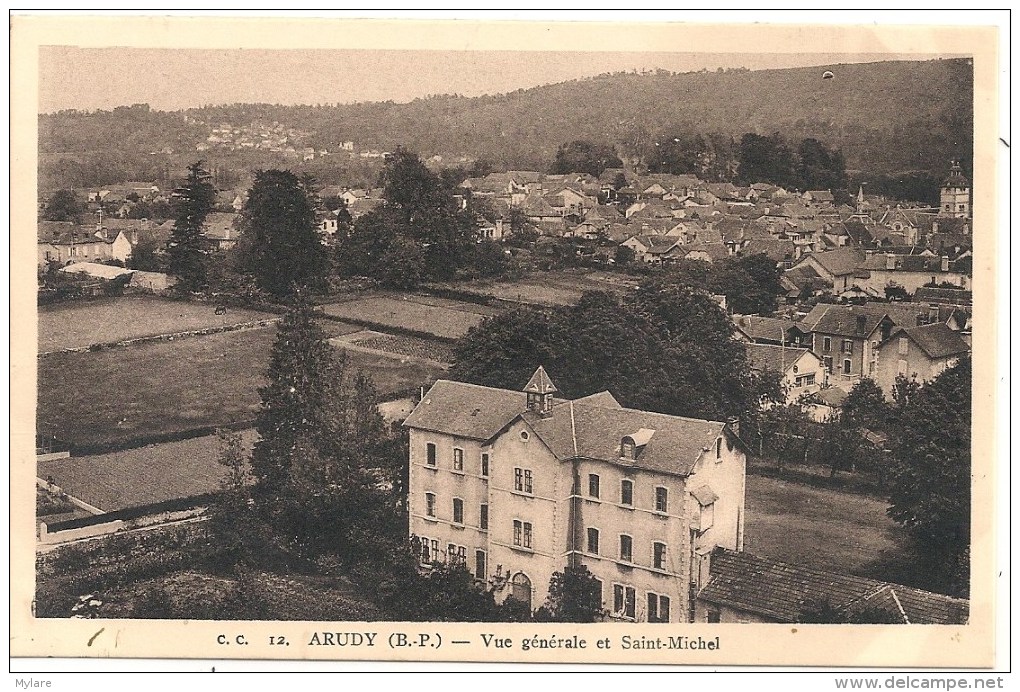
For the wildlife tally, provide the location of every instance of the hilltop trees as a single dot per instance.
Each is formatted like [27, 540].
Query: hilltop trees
[185, 250]
[279, 243]
[771, 159]
[583, 156]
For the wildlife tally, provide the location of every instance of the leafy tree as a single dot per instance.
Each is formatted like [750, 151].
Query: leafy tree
[767, 160]
[301, 367]
[504, 350]
[320, 466]
[583, 156]
[279, 242]
[420, 211]
[64, 205]
[931, 471]
[145, 254]
[680, 154]
[624, 255]
[750, 283]
[186, 248]
[427, 213]
[865, 407]
[820, 168]
[575, 595]
[667, 348]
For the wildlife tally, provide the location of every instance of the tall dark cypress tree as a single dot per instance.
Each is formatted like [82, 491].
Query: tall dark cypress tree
[280, 244]
[300, 368]
[186, 248]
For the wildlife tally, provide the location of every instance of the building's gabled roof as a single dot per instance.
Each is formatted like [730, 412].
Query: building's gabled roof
[832, 396]
[840, 262]
[859, 232]
[714, 251]
[466, 410]
[583, 429]
[781, 591]
[803, 275]
[220, 226]
[937, 340]
[843, 320]
[100, 271]
[762, 328]
[591, 427]
[772, 358]
[944, 296]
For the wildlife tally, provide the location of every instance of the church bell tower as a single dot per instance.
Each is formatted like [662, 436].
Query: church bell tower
[954, 201]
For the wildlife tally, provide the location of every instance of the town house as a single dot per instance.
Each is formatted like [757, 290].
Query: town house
[918, 353]
[518, 485]
[846, 338]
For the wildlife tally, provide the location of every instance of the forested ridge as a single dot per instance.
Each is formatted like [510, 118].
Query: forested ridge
[886, 117]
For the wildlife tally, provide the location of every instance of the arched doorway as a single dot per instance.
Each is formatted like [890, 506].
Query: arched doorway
[520, 589]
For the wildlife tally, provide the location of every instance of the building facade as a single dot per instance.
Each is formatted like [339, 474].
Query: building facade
[519, 485]
[919, 354]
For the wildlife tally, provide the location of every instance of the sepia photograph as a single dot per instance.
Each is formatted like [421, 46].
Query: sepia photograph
[528, 342]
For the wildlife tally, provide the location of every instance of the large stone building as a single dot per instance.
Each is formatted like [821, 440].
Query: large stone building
[518, 485]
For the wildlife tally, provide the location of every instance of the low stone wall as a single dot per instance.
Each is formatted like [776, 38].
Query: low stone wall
[257, 324]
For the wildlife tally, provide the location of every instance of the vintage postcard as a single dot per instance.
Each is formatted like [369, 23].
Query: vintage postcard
[499, 341]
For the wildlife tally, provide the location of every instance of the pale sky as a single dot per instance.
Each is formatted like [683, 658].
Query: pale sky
[171, 79]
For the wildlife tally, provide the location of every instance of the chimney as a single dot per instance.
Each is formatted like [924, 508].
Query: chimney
[935, 226]
[733, 423]
[945, 263]
[890, 260]
[868, 254]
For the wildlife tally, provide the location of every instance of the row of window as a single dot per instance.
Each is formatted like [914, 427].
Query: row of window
[625, 602]
[626, 552]
[458, 510]
[661, 503]
[458, 459]
[455, 555]
[848, 345]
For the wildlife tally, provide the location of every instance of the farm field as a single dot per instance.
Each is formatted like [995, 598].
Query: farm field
[407, 313]
[108, 320]
[816, 527]
[549, 289]
[119, 395]
[141, 476]
[412, 346]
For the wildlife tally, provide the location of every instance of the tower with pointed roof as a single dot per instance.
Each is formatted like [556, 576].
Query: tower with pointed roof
[540, 390]
[954, 200]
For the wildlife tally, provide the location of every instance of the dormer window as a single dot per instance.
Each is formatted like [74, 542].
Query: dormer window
[627, 448]
[632, 445]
